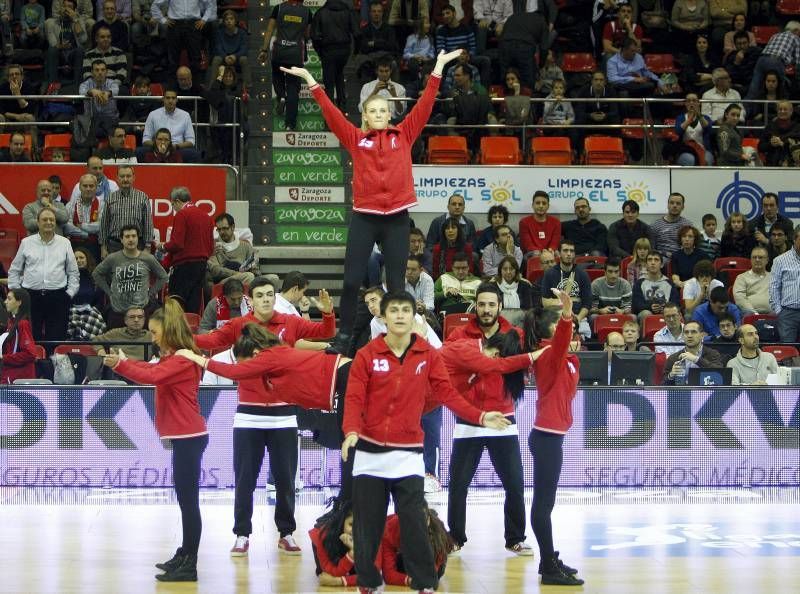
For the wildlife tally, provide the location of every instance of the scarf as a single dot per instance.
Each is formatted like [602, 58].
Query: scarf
[93, 211]
[224, 310]
[229, 247]
[510, 295]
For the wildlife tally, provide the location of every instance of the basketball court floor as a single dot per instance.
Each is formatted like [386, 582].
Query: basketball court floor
[660, 541]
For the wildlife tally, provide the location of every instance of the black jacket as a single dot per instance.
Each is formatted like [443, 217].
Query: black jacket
[334, 26]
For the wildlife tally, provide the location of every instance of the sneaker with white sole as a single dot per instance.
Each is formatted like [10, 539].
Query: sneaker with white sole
[240, 547]
[288, 545]
[523, 549]
[456, 550]
[432, 484]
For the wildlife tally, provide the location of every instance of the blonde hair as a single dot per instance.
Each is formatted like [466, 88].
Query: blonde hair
[641, 243]
[175, 330]
[364, 126]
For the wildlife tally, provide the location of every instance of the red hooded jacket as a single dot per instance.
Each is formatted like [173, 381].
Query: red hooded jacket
[557, 377]
[288, 328]
[18, 359]
[390, 549]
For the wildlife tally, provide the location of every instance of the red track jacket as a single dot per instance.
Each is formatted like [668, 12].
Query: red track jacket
[288, 328]
[557, 377]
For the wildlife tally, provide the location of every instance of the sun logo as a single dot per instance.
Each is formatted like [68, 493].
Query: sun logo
[501, 191]
[637, 192]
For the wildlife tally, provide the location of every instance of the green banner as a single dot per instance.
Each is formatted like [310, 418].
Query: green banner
[308, 176]
[305, 123]
[309, 107]
[306, 158]
[291, 213]
[311, 234]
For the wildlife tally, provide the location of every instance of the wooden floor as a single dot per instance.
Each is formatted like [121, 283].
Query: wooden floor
[646, 541]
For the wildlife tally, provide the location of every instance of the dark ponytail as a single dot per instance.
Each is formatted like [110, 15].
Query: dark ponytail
[253, 338]
[331, 525]
[507, 344]
[442, 543]
[536, 325]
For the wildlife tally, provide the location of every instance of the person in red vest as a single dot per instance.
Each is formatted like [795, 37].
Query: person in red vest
[18, 351]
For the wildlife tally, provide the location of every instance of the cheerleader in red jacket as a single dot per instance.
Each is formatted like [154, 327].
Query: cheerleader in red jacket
[177, 419]
[18, 354]
[332, 544]
[383, 186]
[557, 375]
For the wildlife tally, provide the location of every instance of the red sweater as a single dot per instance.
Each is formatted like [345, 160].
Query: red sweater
[390, 550]
[386, 398]
[288, 328]
[18, 363]
[343, 568]
[480, 378]
[271, 377]
[382, 179]
[557, 377]
[536, 236]
[192, 238]
[176, 380]
[471, 330]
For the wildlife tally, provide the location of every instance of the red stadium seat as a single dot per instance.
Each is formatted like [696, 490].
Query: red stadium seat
[193, 320]
[752, 318]
[448, 150]
[762, 33]
[669, 133]
[75, 349]
[500, 150]
[454, 320]
[788, 7]
[578, 62]
[603, 150]
[591, 260]
[534, 275]
[623, 266]
[634, 129]
[56, 141]
[605, 323]
[661, 63]
[652, 324]
[40, 352]
[661, 360]
[595, 273]
[782, 352]
[551, 150]
[732, 262]
[8, 249]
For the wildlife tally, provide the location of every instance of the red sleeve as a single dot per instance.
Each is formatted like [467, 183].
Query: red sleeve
[416, 119]
[221, 338]
[340, 569]
[307, 329]
[389, 552]
[209, 237]
[555, 233]
[443, 392]
[558, 346]
[469, 358]
[26, 352]
[178, 236]
[266, 362]
[344, 130]
[356, 393]
[525, 236]
[607, 33]
[142, 372]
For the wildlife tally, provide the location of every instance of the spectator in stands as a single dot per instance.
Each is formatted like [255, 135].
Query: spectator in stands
[709, 240]
[741, 62]
[230, 48]
[769, 216]
[179, 124]
[419, 284]
[737, 240]
[778, 241]
[292, 294]
[232, 257]
[419, 49]
[610, 293]
[101, 91]
[547, 260]
[694, 354]
[665, 229]
[223, 95]
[185, 23]
[45, 267]
[384, 86]
[83, 216]
[729, 140]
[709, 313]
[66, 37]
[115, 152]
[132, 331]
[623, 234]
[449, 77]
[130, 277]
[15, 153]
[721, 97]
[333, 29]
[697, 288]
[455, 290]
[738, 24]
[616, 31]
[455, 209]
[18, 351]
[85, 315]
[782, 51]
[721, 13]
[163, 151]
[55, 183]
[491, 18]
[637, 266]
[689, 18]
[726, 343]
[44, 199]
[125, 207]
[751, 288]
[231, 304]
[454, 34]
[614, 342]
[417, 247]
[694, 132]
[471, 105]
[186, 87]
[697, 74]
[654, 290]
[117, 26]
[105, 186]
[772, 90]
[631, 335]
[589, 235]
[190, 247]
[17, 109]
[517, 291]
[143, 26]
[451, 244]
[406, 15]
[568, 277]
[376, 40]
[603, 11]
[31, 19]
[784, 291]
[6, 35]
[498, 250]
[558, 111]
[139, 109]
[751, 366]
[597, 112]
[781, 137]
[672, 332]
[628, 73]
[524, 33]
[539, 230]
[684, 259]
[113, 57]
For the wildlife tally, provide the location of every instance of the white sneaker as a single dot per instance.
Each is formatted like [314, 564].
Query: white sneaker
[288, 545]
[432, 484]
[240, 547]
[523, 549]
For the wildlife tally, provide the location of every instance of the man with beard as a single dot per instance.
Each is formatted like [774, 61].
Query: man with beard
[487, 321]
[572, 279]
[751, 365]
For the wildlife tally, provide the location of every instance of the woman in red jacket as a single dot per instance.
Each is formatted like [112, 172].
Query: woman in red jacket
[19, 351]
[383, 186]
[332, 544]
[557, 375]
[178, 419]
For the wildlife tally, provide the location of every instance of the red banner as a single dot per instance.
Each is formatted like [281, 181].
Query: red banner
[205, 182]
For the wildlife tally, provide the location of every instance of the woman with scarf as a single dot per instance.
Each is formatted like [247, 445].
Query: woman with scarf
[517, 291]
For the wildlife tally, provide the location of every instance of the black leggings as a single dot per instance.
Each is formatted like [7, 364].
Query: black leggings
[346, 489]
[365, 230]
[548, 456]
[187, 455]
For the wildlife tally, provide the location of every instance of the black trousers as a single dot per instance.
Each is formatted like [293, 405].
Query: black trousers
[287, 87]
[50, 314]
[366, 229]
[346, 468]
[187, 282]
[187, 454]
[333, 63]
[370, 502]
[182, 35]
[548, 456]
[248, 456]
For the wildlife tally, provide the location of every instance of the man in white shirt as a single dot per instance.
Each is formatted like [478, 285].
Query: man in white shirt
[723, 95]
[383, 86]
[420, 284]
[672, 332]
[751, 288]
[292, 295]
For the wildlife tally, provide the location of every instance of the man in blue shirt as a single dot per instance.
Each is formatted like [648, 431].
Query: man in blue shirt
[710, 312]
[784, 291]
[627, 71]
[179, 124]
[101, 91]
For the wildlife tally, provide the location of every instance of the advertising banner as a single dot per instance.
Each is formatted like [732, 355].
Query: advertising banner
[309, 194]
[305, 123]
[290, 213]
[299, 174]
[205, 182]
[310, 234]
[306, 158]
[304, 140]
[104, 436]
[513, 187]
